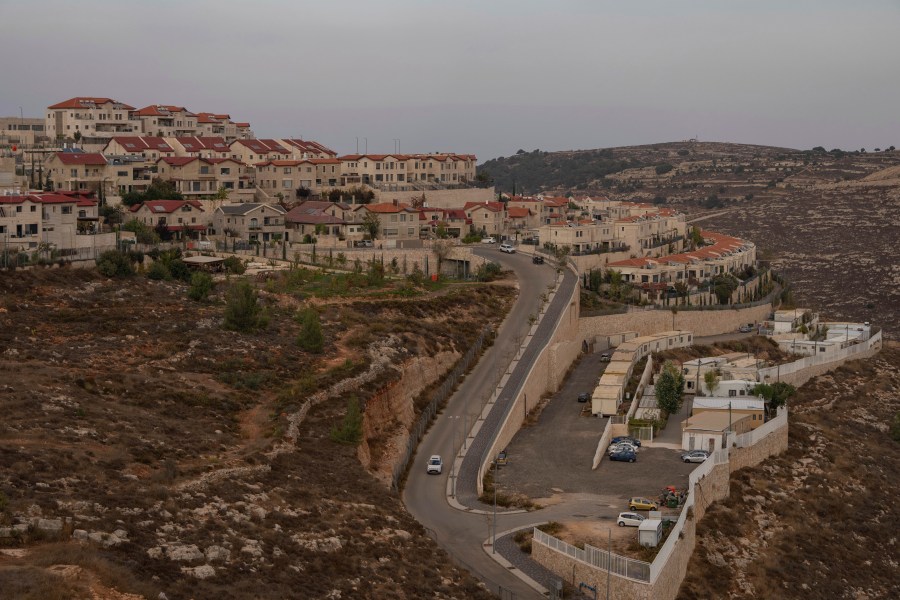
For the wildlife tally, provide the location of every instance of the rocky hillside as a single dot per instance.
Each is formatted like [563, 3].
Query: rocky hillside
[820, 520]
[147, 450]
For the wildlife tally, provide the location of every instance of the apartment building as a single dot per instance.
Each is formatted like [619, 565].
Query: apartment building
[91, 120]
[22, 132]
[201, 147]
[26, 221]
[396, 221]
[183, 219]
[486, 217]
[304, 149]
[253, 151]
[407, 171]
[162, 120]
[76, 170]
[251, 221]
[203, 177]
[292, 178]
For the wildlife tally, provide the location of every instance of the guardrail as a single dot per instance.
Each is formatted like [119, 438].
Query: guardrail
[629, 568]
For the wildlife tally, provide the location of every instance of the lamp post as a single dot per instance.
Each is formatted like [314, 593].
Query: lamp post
[494, 537]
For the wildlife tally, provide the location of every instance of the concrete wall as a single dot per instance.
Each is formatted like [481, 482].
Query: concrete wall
[647, 322]
[800, 371]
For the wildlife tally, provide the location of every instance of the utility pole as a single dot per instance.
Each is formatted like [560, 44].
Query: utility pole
[494, 539]
[608, 563]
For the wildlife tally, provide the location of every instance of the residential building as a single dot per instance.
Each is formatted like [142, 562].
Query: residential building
[487, 217]
[204, 177]
[22, 132]
[321, 220]
[291, 178]
[148, 148]
[54, 219]
[91, 120]
[182, 219]
[253, 151]
[200, 147]
[738, 367]
[304, 149]
[734, 406]
[251, 221]
[710, 430]
[76, 170]
[162, 120]
[213, 125]
[396, 221]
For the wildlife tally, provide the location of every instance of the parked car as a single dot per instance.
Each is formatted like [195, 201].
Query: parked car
[502, 458]
[435, 465]
[605, 357]
[584, 397]
[630, 519]
[537, 259]
[624, 455]
[489, 240]
[695, 456]
[745, 328]
[622, 447]
[639, 503]
[624, 438]
[507, 247]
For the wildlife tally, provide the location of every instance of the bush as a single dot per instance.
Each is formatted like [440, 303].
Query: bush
[242, 310]
[159, 271]
[113, 263]
[488, 271]
[311, 338]
[234, 265]
[142, 232]
[663, 169]
[179, 270]
[350, 431]
[201, 286]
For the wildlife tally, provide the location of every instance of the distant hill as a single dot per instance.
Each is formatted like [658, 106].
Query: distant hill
[581, 170]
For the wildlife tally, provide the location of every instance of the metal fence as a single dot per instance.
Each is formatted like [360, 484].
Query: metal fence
[437, 400]
[616, 564]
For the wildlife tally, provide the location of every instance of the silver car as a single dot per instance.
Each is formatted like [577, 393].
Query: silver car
[695, 456]
[630, 519]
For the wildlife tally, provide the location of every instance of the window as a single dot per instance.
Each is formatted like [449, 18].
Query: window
[34, 208]
[287, 184]
[287, 170]
[225, 171]
[66, 210]
[204, 170]
[732, 393]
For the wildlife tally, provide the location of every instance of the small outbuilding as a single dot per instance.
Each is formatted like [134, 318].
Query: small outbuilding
[650, 533]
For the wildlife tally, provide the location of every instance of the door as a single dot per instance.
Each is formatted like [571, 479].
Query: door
[712, 445]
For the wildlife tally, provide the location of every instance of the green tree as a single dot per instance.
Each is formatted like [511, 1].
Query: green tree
[723, 285]
[311, 338]
[663, 168]
[775, 394]
[201, 286]
[242, 309]
[350, 431]
[711, 379]
[371, 224]
[142, 232]
[669, 388]
[159, 271]
[234, 265]
[113, 263]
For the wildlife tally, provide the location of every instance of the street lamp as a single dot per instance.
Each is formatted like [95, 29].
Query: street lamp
[494, 540]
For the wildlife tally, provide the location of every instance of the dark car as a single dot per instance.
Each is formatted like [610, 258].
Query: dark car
[624, 438]
[584, 397]
[538, 260]
[625, 456]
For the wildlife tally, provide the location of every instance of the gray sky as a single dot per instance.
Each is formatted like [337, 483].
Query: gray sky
[488, 76]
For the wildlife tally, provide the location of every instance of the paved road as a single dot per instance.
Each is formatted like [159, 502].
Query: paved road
[459, 533]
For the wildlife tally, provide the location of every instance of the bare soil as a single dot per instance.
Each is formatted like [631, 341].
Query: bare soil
[147, 448]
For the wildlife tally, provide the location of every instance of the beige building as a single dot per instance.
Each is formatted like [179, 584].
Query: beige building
[324, 221]
[148, 148]
[201, 147]
[76, 170]
[92, 120]
[250, 221]
[161, 120]
[203, 177]
[487, 217]
[396, 221]
[182, 219]
[305, 149]
[710, 430]
[27, 221]
[400, 172]
[254, 151]
[290, 177]
[737, 407]
[22, 132]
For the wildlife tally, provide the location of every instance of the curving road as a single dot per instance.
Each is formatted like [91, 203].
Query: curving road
[462, 533]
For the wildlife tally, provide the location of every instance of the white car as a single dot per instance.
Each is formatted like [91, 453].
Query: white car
[507, 247]
[622, 447]
[435, 465]
[630, 519]
[695, 456]
[489, 240]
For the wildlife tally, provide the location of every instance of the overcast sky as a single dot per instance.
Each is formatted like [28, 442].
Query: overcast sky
[486, 76]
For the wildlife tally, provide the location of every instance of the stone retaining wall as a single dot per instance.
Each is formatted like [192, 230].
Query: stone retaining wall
[648, 322]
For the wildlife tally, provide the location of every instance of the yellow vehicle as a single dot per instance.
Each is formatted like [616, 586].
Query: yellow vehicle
[642, 504]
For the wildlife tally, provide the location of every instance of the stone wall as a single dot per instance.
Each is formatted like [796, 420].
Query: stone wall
[406, 258]
[774, 443]
[647, 322]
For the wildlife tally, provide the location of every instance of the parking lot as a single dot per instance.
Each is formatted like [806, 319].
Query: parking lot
[554, 456]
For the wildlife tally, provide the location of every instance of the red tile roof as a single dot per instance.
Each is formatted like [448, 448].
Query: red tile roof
[136, 144]
[491, 206]
[161, 110]
[309, 146]
[88, 102]
[198, 144]
[166, 206]
[81, 158]
[262, 146]
[518, 212]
